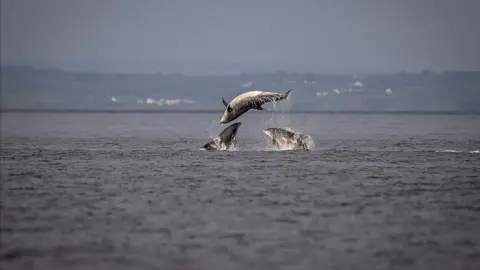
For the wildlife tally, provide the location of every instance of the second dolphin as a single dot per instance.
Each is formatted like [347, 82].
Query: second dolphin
[225, 140]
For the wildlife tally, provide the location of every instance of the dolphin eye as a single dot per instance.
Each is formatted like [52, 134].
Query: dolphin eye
[229, 109]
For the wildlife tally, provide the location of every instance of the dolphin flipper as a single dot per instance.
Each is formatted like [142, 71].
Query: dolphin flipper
[275, 143]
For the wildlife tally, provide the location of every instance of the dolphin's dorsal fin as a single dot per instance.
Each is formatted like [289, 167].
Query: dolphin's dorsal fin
[224, 102]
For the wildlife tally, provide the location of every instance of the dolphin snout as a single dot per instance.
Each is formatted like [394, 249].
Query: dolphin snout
[223, 120]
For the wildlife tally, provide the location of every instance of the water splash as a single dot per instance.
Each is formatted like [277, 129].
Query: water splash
[280, 116]
[310, 142]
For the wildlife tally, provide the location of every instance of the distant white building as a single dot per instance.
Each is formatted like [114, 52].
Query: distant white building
[358, 84]
[161, 102]
[247, 84]
[319, 94]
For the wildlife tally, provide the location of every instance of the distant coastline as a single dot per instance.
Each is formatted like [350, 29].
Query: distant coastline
[28, 89]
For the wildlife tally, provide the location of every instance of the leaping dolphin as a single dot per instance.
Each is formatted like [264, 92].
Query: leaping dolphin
[285, 139]
[225, 140]
[249, 100]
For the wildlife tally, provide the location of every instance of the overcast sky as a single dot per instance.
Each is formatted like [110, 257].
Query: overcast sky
[316, 35]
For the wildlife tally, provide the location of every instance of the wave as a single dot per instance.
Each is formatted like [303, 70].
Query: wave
[458, 151]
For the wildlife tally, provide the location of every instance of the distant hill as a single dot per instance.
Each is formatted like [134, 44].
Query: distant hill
[30, 88]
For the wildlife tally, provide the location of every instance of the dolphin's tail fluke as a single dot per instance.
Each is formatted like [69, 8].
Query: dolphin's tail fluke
[287, 94]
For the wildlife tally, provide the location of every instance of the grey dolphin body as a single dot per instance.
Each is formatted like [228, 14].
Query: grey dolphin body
[285, 139]
[249, 100]
[225, 140]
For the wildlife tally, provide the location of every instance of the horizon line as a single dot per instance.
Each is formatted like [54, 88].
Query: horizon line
[206, 111]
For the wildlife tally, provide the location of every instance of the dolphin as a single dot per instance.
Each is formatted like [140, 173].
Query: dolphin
[285, 139]
[249, 100]
[225, 140]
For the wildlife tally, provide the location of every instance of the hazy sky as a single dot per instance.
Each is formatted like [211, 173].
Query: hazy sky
[154, 35]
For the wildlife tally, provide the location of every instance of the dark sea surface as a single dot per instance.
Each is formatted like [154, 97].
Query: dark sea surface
[133, 191]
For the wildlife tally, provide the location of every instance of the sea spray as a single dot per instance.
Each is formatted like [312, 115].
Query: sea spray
[280, 116]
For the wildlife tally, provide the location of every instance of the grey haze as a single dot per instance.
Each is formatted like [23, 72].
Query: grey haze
[214, 36]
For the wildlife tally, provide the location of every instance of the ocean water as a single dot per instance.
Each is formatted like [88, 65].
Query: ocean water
[133, 191]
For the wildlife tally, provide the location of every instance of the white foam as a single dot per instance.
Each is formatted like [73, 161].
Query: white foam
[310, 143]
[457, 151]
[450, 151]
